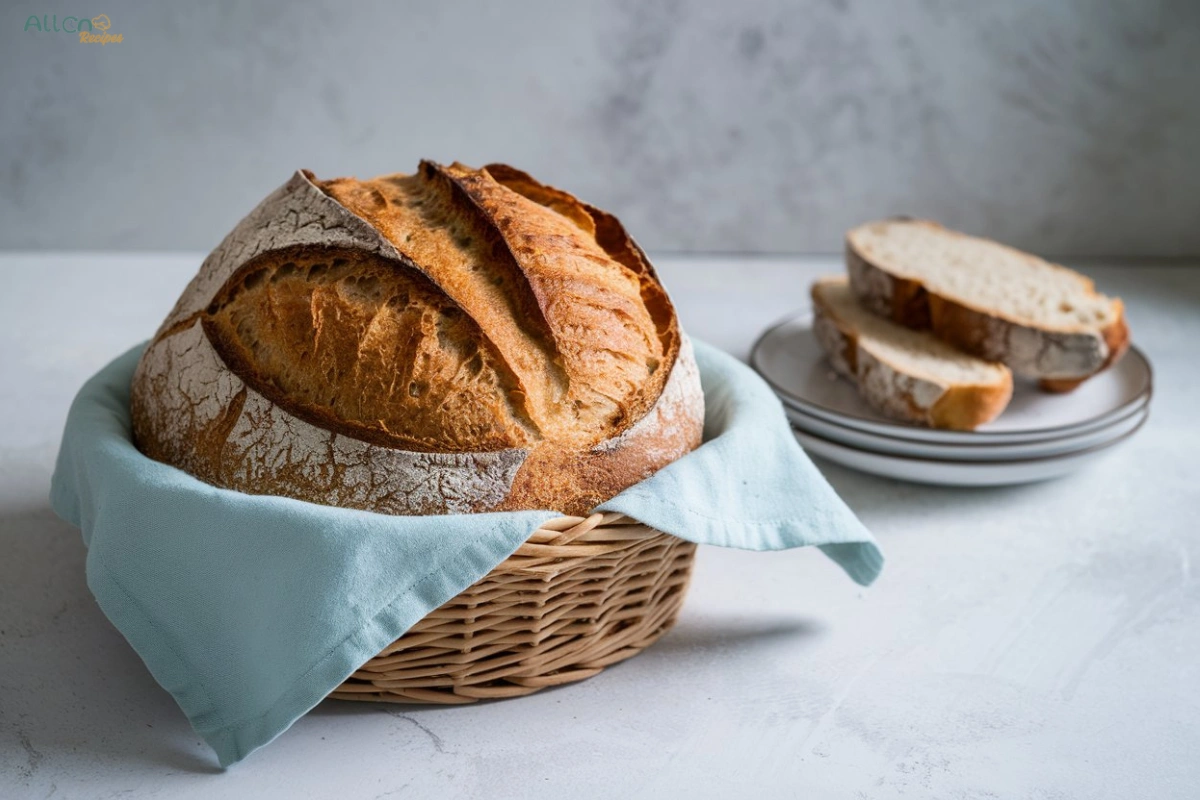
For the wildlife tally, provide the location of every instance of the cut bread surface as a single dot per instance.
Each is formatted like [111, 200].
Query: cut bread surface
[1042, 320]
[984, 275]
[917, 352]
[906, 374]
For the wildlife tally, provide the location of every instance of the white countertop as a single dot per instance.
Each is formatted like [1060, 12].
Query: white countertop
[1028, 642]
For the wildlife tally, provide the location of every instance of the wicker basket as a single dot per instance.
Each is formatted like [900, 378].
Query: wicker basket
[578, 595]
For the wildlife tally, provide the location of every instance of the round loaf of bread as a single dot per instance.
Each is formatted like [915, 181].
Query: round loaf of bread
[453, 341]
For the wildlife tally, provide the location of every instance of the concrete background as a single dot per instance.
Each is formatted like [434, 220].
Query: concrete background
[1067, 128]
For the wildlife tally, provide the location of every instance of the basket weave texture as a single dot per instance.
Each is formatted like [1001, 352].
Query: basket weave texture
[579, 595]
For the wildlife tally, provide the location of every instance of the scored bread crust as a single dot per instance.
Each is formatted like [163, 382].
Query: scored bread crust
[200, 401]
[575, 331]
[903, 395]
[1059, 359]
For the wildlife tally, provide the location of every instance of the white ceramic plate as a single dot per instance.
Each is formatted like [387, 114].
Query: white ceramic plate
[956, 473]
[790, 360]
[888, 445]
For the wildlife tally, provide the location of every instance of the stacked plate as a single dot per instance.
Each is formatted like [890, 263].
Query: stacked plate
[1039, 435]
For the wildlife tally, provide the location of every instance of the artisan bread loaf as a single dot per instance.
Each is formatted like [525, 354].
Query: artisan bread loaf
[452, 341]
[906, 374]
[1042, 320]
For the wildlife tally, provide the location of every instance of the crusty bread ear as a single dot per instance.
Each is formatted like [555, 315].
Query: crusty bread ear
[1043, 320]
[906, 374]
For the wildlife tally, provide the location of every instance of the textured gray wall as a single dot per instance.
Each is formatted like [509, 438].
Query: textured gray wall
[1065, 127]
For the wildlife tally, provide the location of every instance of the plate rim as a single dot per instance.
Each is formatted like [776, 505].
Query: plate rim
[998, 462]
[934, 434]
[1143, 413]
[940, 474]
[1140, 404]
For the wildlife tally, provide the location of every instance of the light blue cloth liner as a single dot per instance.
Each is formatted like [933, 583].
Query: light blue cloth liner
[250, 609]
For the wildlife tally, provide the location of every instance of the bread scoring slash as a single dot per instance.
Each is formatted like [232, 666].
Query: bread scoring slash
[457, 340]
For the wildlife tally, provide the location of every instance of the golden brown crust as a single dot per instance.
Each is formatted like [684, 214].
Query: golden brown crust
[359, 345]
[612, 237]
[575, 325]
[191, 411]
[441, 342]
[606, 335]
[672, 428]
[964, 407]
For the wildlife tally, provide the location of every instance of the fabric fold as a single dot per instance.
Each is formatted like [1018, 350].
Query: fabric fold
[250, 609]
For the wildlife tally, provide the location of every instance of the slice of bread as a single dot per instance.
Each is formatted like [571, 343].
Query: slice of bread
[1042, 320]
[906, 374]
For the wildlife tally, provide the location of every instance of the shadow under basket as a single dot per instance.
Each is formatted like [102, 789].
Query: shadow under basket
[579, 595]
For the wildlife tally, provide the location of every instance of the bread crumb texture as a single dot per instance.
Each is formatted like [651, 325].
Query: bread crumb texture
[905, 374]
[984, 274]
[1042, 320]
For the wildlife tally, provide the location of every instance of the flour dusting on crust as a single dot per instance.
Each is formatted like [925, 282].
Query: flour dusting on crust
[209, 423]
[679, 410]
[297, 213]
[893, 393]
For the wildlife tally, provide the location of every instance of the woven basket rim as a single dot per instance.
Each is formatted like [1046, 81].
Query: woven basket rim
[580, 594]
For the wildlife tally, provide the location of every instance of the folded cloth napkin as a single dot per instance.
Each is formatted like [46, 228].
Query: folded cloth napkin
[250, 609]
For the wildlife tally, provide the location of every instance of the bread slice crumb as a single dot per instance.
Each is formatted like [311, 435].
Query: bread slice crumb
[905, 374]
